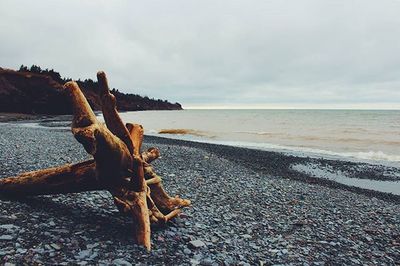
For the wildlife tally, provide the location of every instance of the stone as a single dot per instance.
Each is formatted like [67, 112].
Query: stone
[12, 217]
[90, 246]
[207, 261]
[198, 257]
[6, 237]
[187, 251]
[7, 226]
[171, 234]
[194, 262]
[369, 239]
[55, 246]
[21, 250]
[61, 231]
[254, 246]
[94, 255]
[214, 239]
[197, 243]
[83, 254]
[246, 236]
[121, 262]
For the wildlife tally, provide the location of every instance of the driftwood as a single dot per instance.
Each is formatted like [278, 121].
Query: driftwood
[117, 166]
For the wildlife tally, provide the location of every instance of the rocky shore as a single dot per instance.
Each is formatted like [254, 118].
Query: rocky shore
[249, 208]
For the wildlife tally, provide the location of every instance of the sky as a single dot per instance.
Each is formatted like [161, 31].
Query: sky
[217, 54]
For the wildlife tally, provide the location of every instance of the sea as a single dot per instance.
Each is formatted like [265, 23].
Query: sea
[367, 136]
[360, 135]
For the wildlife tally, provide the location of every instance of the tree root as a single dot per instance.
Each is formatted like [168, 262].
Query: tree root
[117, 166]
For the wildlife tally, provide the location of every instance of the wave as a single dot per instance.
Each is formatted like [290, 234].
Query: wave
[207, 137]
[372, 155]
[368, 156]
[322, 138]
[257, 133]
[354, 130]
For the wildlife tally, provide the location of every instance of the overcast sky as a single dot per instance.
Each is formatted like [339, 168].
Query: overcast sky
[268, 54]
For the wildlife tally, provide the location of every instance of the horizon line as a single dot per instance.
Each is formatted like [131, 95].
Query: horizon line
[395, 107]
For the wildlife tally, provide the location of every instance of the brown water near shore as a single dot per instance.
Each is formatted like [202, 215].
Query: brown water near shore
[362, 134]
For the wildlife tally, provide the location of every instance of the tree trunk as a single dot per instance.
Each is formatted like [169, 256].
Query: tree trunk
[57, 180]
[118, 166]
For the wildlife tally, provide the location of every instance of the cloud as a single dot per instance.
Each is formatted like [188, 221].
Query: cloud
[216, 52]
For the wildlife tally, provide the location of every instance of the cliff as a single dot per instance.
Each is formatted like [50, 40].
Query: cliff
[36, 91]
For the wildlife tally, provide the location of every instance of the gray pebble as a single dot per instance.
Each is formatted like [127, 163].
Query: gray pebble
[6, 237]
[55, 246]
[197, 243]
[121, 262]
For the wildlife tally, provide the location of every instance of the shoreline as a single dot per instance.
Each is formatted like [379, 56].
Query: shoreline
[260, 160]
[278, 164]
[373, 157]
[278, 148]
[249, 208]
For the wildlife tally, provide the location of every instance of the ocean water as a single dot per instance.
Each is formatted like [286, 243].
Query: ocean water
[369, 135]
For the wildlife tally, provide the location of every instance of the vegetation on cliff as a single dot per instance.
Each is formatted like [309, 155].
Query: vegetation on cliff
[39, 91]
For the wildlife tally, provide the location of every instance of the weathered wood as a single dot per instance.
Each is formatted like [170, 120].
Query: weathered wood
[109, 108]
[160, 197]
[57, 180]
[118, 166]
[162, 200]
[113, 159]
[135, 199]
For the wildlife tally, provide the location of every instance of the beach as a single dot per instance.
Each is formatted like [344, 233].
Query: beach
[249, 207]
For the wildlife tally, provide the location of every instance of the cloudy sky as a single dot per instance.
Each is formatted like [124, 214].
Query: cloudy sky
[263, 54]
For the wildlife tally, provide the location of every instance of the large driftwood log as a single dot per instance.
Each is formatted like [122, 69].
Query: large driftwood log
[117, 166]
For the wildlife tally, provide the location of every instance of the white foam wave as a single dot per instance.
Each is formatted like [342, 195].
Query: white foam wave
[256, 132]
[373, 155]
[370, 156]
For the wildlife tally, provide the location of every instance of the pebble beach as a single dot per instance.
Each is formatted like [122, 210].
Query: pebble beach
[249, 207]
